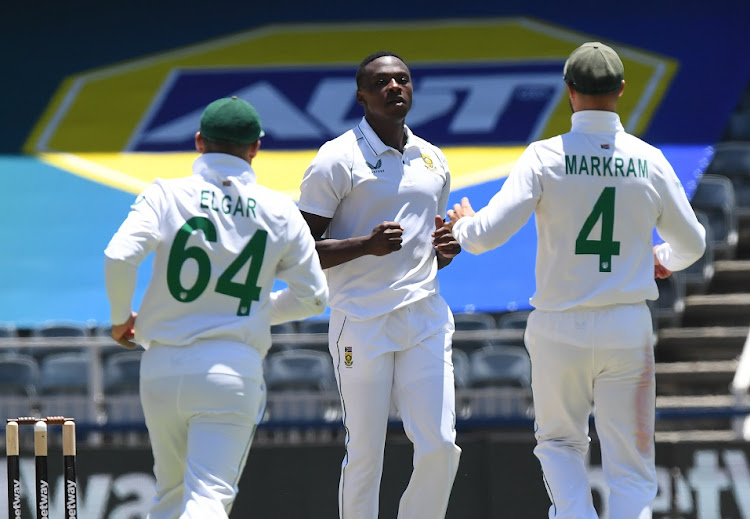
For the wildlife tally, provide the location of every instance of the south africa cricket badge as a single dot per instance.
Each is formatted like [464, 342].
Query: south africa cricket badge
[428, 162]
[348, 359]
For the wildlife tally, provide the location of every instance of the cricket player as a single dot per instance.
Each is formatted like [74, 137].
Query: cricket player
[220, 241]
[377, 193]
[597, 193]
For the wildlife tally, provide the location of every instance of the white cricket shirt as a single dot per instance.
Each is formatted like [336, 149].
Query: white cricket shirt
[598, 193]
[359, 182]
[220, 241]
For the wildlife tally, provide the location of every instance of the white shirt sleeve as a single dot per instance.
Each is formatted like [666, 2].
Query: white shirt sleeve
[684, 237]
[307, 290]
[325, 183]
[136, 238]
[507, 211]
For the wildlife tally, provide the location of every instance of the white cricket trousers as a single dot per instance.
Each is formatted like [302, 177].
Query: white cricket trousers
[598, 359]
[402, 357]
[201, 403]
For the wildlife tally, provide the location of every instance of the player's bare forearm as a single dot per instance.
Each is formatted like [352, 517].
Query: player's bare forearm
[442, 261]
[385, 238]
[336, 252]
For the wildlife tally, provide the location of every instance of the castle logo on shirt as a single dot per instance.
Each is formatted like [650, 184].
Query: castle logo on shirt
[377, 167]
[348, 357]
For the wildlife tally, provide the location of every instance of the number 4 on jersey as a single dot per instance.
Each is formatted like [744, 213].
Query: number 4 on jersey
[246, 292]
[604, 247]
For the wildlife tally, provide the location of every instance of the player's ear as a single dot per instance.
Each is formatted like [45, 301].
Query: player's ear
[253, 149]
[360, 98]
[200, 144]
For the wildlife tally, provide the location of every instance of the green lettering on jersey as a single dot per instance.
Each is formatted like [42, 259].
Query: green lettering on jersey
[253, 253]
[607, 165]
[179, 253]
[631, 167]
[584, 166]
[643, 168]
[595, 166]
[204, 199]
[570, 165]
[618, 167]
[239, 208]
[605, 247]
[251, 206]
[226, 204]
[213, 201]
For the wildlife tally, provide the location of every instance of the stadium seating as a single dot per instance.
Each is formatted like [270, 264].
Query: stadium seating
[301, 386]
[698, 276]
[316, 327]
[8, 330]
[281, 329]
[64, 387]
[313, 326]
[122, 372]
[64, 373]
[500, 366]
[667, 310]
[469, 346]
[732, 160]
[287, 327]
[299, 369]
[19, 375]
[715, 197]
[61, 329]
[56, 330]
[461, 368]
[474, 321]
[122, 403]
[513, 320]
[738, 128]
[123, 409]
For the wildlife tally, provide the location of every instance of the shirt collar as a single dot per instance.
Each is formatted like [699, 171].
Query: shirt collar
[377, 146]
[220, 166]
[596, 121]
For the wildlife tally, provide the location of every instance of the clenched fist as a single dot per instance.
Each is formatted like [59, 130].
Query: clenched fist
[385, 238]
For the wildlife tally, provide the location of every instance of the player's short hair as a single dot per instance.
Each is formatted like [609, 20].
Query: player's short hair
[369, 59]
[230, 148]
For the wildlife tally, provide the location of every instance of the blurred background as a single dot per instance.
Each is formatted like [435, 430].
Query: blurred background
[101, 98]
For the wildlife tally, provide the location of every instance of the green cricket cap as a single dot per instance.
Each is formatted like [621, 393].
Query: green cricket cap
[594, 68]
[231, 119]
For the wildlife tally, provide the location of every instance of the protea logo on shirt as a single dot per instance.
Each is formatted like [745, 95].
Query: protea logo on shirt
[302, 107]
[428, 162]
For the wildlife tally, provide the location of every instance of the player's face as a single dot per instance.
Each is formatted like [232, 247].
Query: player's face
[386, 89]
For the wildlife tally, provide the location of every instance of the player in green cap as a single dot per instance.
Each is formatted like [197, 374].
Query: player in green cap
[220, 240]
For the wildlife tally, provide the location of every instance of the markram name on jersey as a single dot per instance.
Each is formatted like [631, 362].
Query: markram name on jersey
[605, 166]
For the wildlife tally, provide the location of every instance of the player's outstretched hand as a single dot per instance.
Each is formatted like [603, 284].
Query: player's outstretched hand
[124, 333]
[443, 240]
[459, 211]
[660, 271]
[385, 238]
